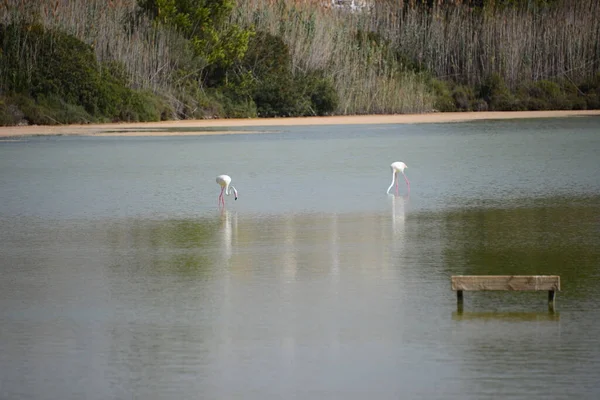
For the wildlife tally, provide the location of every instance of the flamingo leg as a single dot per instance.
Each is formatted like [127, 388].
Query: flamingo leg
[221, 198]
[396, 184]
[407, 182]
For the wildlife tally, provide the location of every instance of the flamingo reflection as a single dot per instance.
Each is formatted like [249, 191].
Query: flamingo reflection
[290, 263]
[226, 232]
[399, 205]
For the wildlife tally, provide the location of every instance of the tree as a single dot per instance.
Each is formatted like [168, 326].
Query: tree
[203, 22]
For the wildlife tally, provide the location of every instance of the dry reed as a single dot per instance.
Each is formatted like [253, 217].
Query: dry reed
[459, 42]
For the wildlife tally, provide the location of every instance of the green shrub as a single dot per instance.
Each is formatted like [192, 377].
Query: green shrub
[10, 113]
[227, 104]
[443, 96]
[209, 104]
[268, 62]
[64, 66]
[480, 105]
[264, 82]
[536, 104]
[463, 98]
[573, 96]
[240, 108]
[59, 81]
[323, 96]
[50, 110]
[55, 110]
[277, 97]
[590, 90]
[138, 107]
[498, 96]
[547, 94]
[592, 101]
[52, 66]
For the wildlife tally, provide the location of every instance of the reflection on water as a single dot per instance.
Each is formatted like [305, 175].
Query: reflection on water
[514, 316]
[121, 279]
[551, 236]
[227, 232]
[399, 205]
[289, 250]
[260, 306]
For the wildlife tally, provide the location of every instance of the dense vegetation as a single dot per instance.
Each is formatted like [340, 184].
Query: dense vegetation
[125, 60]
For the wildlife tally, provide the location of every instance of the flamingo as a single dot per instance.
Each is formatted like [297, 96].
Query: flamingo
[225, 182]
[398, 166]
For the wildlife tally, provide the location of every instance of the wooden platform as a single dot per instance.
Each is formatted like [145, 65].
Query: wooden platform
[550, 283]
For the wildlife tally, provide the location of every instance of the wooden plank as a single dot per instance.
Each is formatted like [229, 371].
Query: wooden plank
[506, 282]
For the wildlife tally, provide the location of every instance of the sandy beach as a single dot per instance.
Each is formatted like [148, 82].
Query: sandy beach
[224, 126]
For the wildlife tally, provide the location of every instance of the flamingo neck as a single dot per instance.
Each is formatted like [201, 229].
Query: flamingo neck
[393, 181]
[229, 189]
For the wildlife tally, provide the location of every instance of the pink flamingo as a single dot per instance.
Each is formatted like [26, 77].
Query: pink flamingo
[398, 166]
[225, 182]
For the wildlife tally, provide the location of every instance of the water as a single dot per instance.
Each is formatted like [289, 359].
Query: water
[122, 279]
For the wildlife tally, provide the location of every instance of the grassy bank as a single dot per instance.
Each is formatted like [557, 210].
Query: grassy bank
[102, 61]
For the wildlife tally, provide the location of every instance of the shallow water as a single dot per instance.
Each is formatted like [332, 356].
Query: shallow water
[121, 277]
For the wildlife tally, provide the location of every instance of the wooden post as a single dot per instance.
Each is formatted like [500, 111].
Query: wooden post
[551, 297]
[459, 301]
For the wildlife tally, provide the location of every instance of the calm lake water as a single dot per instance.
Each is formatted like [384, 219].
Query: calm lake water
[122, 279]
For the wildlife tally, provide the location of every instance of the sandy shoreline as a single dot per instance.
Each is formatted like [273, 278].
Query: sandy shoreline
[223, 126]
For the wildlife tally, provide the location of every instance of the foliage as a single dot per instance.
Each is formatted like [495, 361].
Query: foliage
[376, 42]
[125, 104]
[203, 23]
[232, 105]
[10, 114]
[142, 60]
[543, 95]
[269, 64]
[264, 77]
[40, 62]
[323, 97]
[590, 90]
[495, 95]
[58, 80]
[464, 98]
[443, 96]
